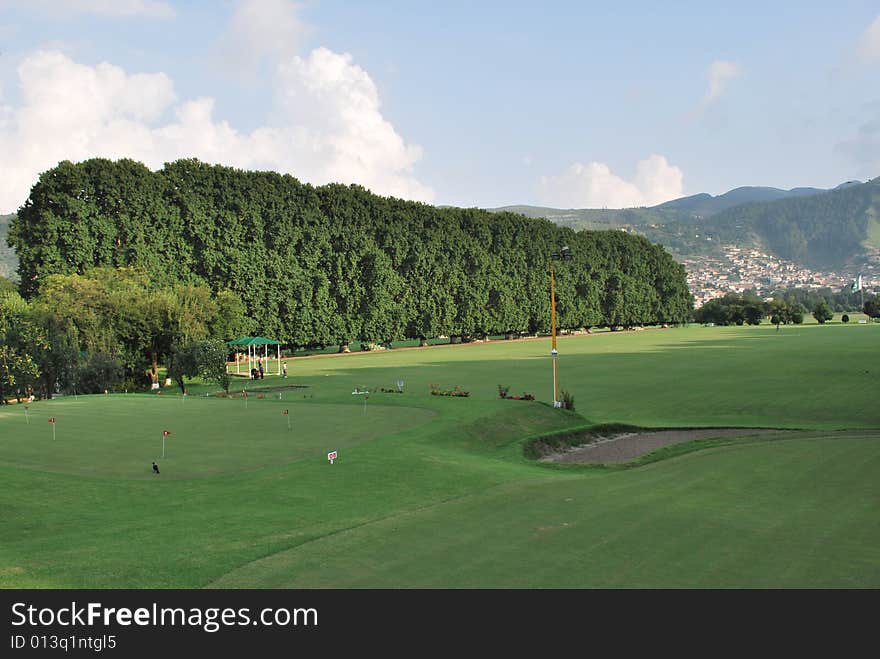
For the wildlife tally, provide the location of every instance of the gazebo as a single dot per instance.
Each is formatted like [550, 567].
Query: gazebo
[252, 344]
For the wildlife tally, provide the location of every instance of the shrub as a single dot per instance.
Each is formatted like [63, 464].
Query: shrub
[844, 318]
[457, 392]
[567, 400]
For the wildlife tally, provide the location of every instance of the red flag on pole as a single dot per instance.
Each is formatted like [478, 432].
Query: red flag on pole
[284, 412]
[51, 419]
[166, 433]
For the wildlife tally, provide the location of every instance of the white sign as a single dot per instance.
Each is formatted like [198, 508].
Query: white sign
[331, 456]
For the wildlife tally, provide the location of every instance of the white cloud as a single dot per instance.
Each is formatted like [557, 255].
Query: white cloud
[594, 185]
[869, 46]
[113, 8]
[720, 73]
[259, 29]
[326, 125]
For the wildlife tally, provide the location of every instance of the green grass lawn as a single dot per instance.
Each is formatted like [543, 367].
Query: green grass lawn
[431, 491]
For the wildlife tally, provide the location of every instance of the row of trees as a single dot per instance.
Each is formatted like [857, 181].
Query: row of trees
[749, 309]
[840, 300]
[111, 329]
[318, 266]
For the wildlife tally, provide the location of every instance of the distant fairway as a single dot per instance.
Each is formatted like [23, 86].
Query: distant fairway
[435, 492]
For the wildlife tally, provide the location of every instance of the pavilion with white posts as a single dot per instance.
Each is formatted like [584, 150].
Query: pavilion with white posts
[251, 346]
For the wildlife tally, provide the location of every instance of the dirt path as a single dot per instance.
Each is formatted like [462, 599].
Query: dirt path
[628, 447]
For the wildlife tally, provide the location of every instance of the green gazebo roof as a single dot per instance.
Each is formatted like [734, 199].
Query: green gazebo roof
[253, 341]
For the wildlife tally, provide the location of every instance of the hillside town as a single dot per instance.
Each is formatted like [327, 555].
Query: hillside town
[746, 268]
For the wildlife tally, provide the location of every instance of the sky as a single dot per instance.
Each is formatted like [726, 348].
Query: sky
[474, 104]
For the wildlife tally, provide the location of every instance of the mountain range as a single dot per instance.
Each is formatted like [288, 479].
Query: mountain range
[830, 229]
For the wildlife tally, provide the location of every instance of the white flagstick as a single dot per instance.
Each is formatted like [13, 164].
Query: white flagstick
[366, 398]
[26, 417]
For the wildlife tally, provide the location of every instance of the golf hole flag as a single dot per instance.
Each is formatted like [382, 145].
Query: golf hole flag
[51, 419]
[165, 433]
[331, 456]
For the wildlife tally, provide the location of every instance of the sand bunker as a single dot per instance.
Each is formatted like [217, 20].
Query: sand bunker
[626, 447]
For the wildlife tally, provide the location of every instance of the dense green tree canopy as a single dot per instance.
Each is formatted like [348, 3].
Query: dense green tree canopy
[822, 312]
[109, 326]
[20, 340]
[326, 265]
[733, 309]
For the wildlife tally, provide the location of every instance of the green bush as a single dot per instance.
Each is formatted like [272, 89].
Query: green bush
[567, 400]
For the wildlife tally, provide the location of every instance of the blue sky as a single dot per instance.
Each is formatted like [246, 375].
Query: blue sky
[474, 104]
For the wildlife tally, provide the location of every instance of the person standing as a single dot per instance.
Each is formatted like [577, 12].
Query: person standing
[284, 369]
[261, 369]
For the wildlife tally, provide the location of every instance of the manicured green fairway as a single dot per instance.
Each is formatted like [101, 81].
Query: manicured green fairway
[120, 436]
[434, 492]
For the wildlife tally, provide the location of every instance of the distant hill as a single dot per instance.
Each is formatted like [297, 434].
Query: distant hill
[8, 260]
[822, 229]
[684, 209]
[706, 204]
[832, 230]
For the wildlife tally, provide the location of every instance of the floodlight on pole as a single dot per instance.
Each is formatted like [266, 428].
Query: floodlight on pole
[563, 254]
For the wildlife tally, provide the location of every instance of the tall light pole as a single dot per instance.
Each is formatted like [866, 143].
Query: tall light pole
[563, 254]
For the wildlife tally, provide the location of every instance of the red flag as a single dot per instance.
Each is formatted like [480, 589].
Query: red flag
[166, 433]
[51, 419]
[284, 412]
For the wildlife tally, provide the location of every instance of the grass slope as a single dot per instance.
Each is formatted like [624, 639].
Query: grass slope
[435, 492]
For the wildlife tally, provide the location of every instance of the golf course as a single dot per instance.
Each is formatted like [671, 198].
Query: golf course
[433, 491]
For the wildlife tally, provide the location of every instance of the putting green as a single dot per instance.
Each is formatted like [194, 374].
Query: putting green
[119, 436]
